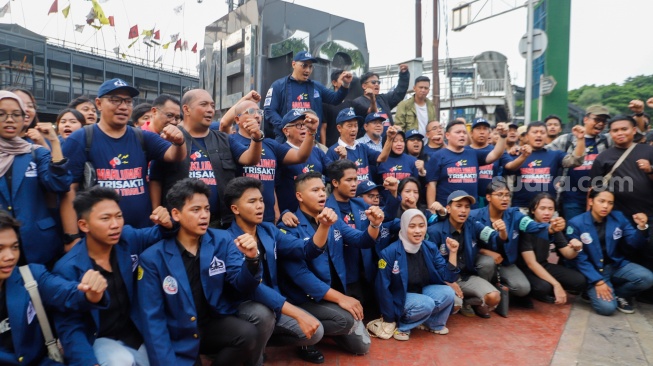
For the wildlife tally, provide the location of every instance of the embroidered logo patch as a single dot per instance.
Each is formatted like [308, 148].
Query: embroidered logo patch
[217, 266]
[134, 262]
[570, 230]
[170, 285]
[382, 264]
[486, 233]
[395, 267]
[617, 234]
[586, 238]
[31, 313]
[139, 275]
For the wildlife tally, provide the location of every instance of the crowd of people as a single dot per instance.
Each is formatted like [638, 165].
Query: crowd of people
[159, 234]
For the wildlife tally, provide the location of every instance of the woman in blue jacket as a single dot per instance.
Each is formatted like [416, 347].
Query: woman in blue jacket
[411, 286]
[399, 164]
[27, 172]
[612, 279]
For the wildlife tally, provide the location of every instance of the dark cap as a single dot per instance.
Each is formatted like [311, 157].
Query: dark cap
[480, 121]
[458, 195]
[365, 186]
[374, 117]
[347, 114]
[292, 116]
[304, 56]
[414, 133]
[116, 84]
[513, 124]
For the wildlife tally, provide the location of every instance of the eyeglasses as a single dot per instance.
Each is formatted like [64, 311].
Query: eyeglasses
[503, 196]
[306, 66]
[176, 117]
[599, 119]
[374, 82]
[16, 116]
[117, 101]
[253, 112]
[299, 126]
[373, 196]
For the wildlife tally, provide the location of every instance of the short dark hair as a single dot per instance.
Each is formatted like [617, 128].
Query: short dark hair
[597, 188]
[306, 176]
[453, 123]
[336, 169]
[535, 124]
[237, 186]
[140, 110]
[422, 78]
[81, 100]
[536, 202]
[335, 74]
[184, 190]
[77, 114]
[368, 75]
[7, 221]
[162, 99]
[622, 117]
[85, 200]
[403, 182]
[552, 116]
[497, 184]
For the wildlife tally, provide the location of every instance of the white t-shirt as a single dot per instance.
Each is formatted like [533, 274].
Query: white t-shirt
[422, 118]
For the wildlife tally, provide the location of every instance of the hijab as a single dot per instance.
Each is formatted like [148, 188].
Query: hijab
[14, 146]
[406, 217]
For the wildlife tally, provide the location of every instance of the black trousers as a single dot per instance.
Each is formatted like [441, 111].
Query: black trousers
[570, 279]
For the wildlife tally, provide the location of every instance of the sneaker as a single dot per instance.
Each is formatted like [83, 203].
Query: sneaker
[624, 305]
[401, 336]
[467, 311]
[442, 331]
[482, 311]
[310, 354]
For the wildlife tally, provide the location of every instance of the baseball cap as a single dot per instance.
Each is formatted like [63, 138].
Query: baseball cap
[365, 186]
[513, 124]
[521, 130]
[304, 56]
[116, 84]
[9, 95]
[374, 116]
[292, 116]
[413, 133]
[599, 110]
[480, 121]
[347, 114]
[458, 195]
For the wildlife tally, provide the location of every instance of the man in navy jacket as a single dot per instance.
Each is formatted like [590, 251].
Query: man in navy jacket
[111, 335]
[297, 91]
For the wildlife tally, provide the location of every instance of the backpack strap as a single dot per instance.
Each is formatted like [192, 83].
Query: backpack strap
[224, 168]
[139, 136]
[88, 130]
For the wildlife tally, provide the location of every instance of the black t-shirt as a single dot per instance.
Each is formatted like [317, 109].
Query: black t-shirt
[192, 267]
[600, 230]
[418, 273]
[115, 321]
[459, 236]
[6, 342]
[632, 188]
[267, 278]
[540, 246]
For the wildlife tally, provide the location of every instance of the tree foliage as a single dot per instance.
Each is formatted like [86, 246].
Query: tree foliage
[615, 97]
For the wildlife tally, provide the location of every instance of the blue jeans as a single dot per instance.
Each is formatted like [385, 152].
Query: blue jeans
[626, 282]
[110, 352]
[571, 210]
[432, 308]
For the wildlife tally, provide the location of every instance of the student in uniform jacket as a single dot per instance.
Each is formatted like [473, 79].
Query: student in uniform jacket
[113, 250]
[411, 284]
[400, 164]
[21, 337]
[371, 193]
[468, 233]
[26, 172]
[189, 288]
[319, 285]
[613, 280]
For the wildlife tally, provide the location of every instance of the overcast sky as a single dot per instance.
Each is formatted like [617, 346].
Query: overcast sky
[610, 40]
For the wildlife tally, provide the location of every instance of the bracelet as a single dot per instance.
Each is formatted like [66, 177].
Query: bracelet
[259, 139]
[375, 226]
[638, 114]
[643, 228]
[503, 136]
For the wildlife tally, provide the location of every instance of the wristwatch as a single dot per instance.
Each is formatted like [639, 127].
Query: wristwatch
[69, 238]
[260, 139]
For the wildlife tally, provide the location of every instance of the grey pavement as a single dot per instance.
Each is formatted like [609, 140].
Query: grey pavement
[592, 339]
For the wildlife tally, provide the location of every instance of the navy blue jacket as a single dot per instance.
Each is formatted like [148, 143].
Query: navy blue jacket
[618, 231]
[474, 232]
[33, 174]
[288, 247]
[392, 279]
[277, 103]
[311, 279]
[515, 222]
[56, 293]
[78, 330]
[170, 317]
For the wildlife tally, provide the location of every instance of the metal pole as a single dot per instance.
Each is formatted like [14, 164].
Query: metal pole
[539, 100]
[529, 65]
[418, 28]
[435, 66]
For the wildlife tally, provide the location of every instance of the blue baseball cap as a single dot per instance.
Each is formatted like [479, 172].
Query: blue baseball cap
[116, 84]
[513, 124]
[458, 195]
[304, 56]
[414, 133]
[292, 116]
[365, 186]
[347, 114]
[376, 116]
[480, 121]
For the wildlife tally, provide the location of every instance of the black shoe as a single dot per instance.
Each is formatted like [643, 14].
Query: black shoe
[546, 298]
[482, 311]
[310, 354]
[524, 302]
[585, 297]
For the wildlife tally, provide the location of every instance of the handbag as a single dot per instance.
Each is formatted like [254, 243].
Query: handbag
[54, 353]
[502, 308]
